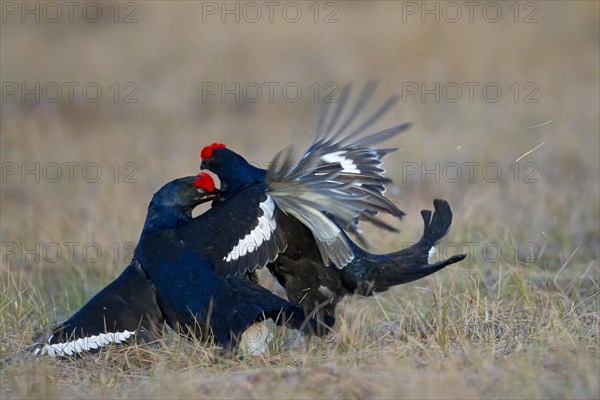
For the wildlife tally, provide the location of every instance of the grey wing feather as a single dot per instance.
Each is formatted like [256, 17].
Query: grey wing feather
[339, 179]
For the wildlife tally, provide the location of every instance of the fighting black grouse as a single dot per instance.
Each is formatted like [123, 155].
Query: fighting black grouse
[292, 217]
[171, 280]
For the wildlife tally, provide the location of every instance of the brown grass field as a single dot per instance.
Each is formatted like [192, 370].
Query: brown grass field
[520, 318]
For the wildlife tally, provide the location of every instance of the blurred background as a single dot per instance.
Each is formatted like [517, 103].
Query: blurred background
[103, 103]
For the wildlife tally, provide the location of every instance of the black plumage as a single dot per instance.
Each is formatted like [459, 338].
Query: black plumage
[172, 279]
[301, 273]
[125, 311]
[337, 182]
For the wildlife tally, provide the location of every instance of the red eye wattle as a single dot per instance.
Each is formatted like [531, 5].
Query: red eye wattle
[205, 181]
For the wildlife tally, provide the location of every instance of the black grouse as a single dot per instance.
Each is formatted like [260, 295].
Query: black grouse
[169, 280]
[292, 218]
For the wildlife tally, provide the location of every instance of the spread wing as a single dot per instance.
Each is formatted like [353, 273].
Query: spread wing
[339, 179]
[337, 142]
[238, 235]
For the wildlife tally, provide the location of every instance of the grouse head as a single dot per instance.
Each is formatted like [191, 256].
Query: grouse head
[233, 170]
[182, 195]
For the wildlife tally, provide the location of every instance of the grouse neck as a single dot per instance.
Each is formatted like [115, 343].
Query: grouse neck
[242, 179]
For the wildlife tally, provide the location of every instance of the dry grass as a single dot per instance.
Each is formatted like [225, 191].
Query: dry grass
[524, 325]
